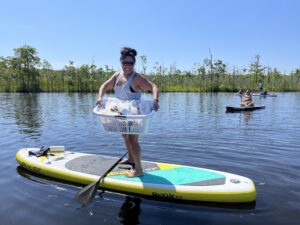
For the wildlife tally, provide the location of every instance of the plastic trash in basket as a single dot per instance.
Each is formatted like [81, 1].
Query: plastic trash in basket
[127, 117]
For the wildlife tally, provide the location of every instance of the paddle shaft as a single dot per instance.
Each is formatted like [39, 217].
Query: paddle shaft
[87, 194]
[111, 168]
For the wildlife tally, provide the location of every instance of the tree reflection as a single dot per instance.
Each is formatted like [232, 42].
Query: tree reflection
[28, 114]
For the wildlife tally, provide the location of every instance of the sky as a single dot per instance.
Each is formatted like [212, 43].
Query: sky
[170, 32]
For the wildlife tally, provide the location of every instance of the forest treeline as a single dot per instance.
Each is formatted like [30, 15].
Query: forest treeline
[26, 72]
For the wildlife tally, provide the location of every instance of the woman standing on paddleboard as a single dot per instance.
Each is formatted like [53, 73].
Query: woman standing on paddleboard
[128, 85]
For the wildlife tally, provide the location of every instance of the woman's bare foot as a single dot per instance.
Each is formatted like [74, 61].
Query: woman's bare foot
[134, 173]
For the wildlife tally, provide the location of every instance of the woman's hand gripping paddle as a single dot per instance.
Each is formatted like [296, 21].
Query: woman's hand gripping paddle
[87, 194]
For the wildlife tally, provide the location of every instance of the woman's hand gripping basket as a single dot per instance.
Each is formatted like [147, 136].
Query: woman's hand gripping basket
[127, 117]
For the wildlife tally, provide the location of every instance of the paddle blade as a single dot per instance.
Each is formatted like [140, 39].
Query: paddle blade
[86, 195]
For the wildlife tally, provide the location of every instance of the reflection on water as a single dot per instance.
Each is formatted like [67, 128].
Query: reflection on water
[247, 116]
[190, 129]
[29, 175]
[28, 114]
[130, 211]
[23, 110]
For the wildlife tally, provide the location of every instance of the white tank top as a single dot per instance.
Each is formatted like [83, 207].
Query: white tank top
[124, 92]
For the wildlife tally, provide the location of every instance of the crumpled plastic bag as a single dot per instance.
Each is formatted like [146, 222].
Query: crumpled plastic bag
[114, 106]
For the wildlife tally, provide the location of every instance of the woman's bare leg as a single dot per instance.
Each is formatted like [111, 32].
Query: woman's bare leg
[129, 149]
[136, 154]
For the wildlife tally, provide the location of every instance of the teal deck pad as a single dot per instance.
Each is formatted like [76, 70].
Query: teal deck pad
[174, 176]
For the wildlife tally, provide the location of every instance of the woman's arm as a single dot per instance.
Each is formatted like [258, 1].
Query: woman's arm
[107, 85]
[142, 83]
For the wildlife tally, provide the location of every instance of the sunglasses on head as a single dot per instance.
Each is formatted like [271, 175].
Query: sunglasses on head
[128, 63]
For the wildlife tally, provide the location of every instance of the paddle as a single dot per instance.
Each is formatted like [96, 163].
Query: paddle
[87, 194]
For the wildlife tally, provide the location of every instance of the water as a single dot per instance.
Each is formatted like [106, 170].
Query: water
[190, 128]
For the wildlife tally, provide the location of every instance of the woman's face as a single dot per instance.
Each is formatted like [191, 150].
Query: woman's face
[127, 65]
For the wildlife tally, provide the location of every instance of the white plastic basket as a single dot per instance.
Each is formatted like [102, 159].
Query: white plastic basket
[126, 124]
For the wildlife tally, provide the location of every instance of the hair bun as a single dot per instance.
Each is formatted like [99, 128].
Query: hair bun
[128, 51]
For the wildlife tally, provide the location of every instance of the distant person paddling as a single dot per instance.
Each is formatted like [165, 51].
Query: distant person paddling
[240, 93]
[247, 100]
[128, 85]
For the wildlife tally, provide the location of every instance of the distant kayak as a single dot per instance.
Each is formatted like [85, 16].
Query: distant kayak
[239, 109]
[264, 95]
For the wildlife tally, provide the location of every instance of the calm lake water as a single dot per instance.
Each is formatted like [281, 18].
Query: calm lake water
[190, 128]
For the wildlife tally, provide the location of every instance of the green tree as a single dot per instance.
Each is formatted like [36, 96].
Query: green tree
[92, 76]
[70, 75]
[26, 62]
[5, 75]
[144, 62]
[83, 77]
[46, 71]
[201, 71]
[219, 69]
[257, 69]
